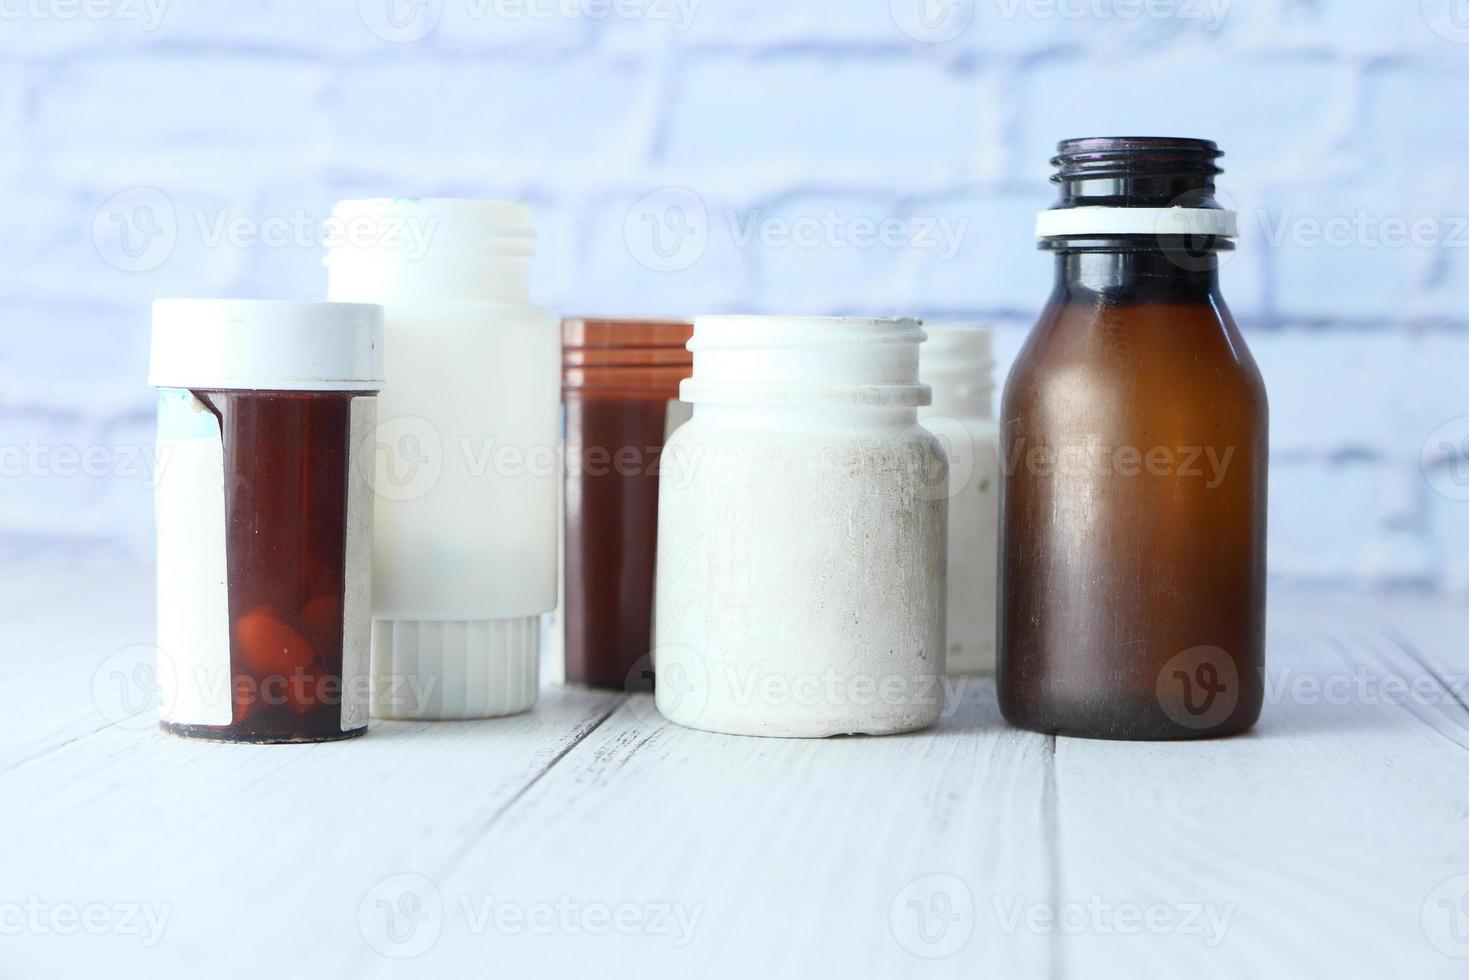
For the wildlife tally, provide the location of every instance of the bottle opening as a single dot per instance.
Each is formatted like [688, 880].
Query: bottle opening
[1137, 192]
[778, 360]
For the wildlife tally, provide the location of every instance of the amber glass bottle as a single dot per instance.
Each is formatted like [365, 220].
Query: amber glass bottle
[1134, 438]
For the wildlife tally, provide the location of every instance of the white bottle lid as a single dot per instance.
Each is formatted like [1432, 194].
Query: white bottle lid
[266, 345]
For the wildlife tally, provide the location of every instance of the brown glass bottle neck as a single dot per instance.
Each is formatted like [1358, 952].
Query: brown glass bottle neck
[1135, 276]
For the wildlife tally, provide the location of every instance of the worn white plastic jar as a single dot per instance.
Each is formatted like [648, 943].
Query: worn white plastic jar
[464, 556]
[958, 365]
[801, 533]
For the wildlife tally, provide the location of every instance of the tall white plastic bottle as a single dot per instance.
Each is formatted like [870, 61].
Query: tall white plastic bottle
[465, 543]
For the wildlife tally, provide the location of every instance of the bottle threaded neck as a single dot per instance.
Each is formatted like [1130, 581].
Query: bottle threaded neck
[1136, 171]
[1137, 192]
[867, 362]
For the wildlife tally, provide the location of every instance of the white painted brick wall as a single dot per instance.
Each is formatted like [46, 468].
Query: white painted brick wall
[1336, 114]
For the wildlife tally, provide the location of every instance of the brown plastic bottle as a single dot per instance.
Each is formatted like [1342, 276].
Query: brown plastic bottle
[1134, 438]
[286, 487]
[620, 386]
[264, 515]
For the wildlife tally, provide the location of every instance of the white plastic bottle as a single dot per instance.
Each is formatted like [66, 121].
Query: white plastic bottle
[801, 533]
[957, 364]
[464, 557]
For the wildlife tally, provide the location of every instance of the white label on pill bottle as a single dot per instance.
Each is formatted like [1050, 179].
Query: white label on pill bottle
[193, 595]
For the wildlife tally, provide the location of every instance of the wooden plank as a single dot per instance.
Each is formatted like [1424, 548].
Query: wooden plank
[1307, 848]
[257, 857]
[76, 651]
[781, 858]
[1329, 842]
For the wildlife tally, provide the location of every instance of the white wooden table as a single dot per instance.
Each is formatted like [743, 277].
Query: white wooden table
[591, 836]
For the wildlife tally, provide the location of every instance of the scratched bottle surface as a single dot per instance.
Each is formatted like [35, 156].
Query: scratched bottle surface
[1134, 439]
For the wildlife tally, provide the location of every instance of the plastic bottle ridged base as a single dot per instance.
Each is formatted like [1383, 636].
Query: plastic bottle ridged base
[447, 669]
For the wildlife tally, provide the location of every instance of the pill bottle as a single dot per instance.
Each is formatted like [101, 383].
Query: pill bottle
[264, 516]
[801, 533]
[466, 546]
[620, 383]
[957, 364]
[1135, 430]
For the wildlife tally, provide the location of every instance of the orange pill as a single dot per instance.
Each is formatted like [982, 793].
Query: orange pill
[320, 620]
[270, 648]
[304, 691]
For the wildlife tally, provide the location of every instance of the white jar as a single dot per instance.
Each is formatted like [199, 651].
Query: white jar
[465, 539]
[958, 365]
[801, 533]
